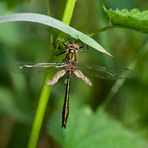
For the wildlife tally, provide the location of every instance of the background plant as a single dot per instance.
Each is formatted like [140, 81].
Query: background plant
[19, 93]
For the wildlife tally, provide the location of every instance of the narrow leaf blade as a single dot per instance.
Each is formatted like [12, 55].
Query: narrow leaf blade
[52, 22]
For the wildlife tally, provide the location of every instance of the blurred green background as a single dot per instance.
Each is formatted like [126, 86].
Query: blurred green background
[19, 92]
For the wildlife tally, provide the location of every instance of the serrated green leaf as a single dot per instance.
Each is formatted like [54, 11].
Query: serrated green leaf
[52, 22]
[133, 19]
[88, 129]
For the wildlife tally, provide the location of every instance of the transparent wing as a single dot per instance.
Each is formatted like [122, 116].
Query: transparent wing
[105, 73]
[29, 66]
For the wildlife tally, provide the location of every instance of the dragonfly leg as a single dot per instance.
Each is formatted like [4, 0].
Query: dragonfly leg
[56, 77]
[60, 53]
[80, 75]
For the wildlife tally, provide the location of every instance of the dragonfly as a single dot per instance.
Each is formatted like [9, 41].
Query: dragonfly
[69, 66]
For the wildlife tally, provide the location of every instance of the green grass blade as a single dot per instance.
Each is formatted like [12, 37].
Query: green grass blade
[52, 22]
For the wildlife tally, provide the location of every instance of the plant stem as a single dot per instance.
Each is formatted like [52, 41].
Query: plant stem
[43, 100]
[118, 84]
[47, 2]
[107, 28]
[45, 92]
[68, 12]
[102, 30]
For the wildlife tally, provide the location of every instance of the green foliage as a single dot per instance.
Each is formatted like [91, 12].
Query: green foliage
[13, 3]
[19, 93]
[88, 129]
[133, 19]
[52, 22]
[8, 106]
[9, 30]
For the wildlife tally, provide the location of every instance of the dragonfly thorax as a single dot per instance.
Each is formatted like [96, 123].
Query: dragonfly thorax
[70, 66]
[71, 55]
[72, 51]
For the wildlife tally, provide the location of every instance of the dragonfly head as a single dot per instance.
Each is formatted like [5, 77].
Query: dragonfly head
[72, 47]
